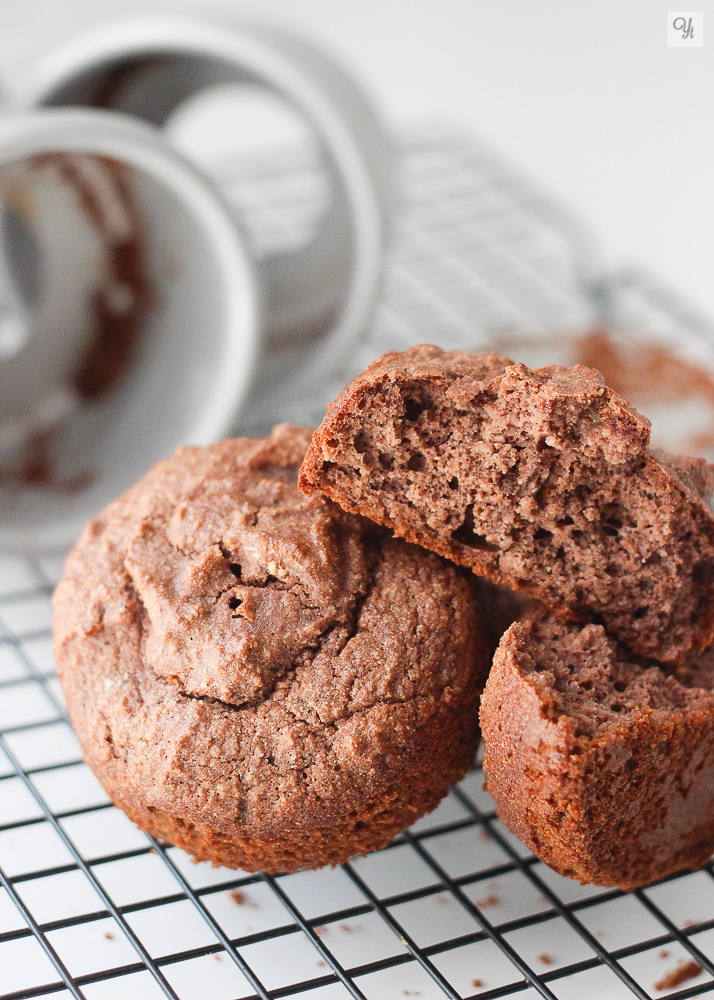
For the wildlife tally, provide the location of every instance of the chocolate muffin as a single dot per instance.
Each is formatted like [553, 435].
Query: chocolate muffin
[541, 480]
[261, 678]
[603, 764]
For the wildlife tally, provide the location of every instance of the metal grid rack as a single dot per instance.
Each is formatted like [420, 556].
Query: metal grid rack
[91, 907]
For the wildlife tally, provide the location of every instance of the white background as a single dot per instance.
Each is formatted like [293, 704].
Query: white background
[584, 95]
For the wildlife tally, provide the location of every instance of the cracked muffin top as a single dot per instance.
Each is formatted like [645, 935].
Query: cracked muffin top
[237, 653]
[240, 575]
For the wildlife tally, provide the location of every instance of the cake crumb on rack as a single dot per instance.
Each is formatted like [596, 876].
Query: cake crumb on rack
[686, 969]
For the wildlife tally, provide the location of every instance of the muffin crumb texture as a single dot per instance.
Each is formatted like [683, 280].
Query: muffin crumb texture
[541, 480]
[602, 763]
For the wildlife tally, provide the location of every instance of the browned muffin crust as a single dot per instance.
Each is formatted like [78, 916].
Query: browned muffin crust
[601, 763]
[541, 480]
[259, 677]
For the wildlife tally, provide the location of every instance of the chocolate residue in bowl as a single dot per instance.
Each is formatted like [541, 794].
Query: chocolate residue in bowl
[117, 308]
[38, 468]
[120, 304]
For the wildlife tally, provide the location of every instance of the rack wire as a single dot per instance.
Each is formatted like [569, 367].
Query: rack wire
[91, 907]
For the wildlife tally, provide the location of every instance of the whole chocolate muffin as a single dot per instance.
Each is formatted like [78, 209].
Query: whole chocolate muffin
[261, 678]
[602, 763]
[541, 480]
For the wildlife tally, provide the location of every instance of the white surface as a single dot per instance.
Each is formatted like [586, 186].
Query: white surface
[587, 97]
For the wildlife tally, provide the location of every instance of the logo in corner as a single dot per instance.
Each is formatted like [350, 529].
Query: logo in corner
[685, 29]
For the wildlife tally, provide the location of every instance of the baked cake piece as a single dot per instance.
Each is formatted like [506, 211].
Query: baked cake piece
[538, 479]
[261, 678]
[601, 763]
[501, 608]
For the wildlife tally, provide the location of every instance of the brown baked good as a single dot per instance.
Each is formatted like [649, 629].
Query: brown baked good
[601, 763]
[501, 608]
[261, 678]
[538, 479]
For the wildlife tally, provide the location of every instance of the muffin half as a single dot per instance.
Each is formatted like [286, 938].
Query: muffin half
[541, 480]
[602, 763]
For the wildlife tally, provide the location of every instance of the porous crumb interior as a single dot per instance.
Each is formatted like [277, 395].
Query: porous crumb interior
[582, 674]
[541, 480]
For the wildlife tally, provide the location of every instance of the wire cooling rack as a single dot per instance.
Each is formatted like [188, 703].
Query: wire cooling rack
[92, 907]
